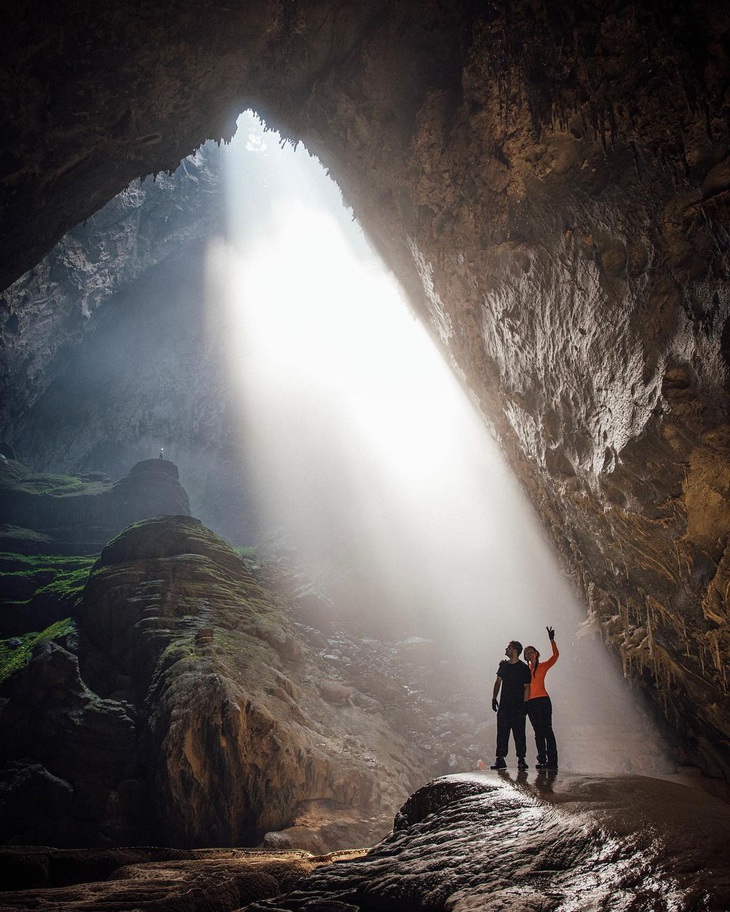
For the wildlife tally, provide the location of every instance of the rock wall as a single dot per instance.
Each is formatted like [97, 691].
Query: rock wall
[194, 711]
[51, 306]
[551, 185]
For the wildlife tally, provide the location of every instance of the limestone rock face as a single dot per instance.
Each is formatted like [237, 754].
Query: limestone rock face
[148, 370]
[138, 231]
[195, 703]
[550, 184]
[80, 787]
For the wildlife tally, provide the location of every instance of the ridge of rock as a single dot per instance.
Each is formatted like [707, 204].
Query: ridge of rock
[79, 515]
[228, 728]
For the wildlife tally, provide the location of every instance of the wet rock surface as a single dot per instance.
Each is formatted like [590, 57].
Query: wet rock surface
[216, 880]
[547, 842]
[477, 841]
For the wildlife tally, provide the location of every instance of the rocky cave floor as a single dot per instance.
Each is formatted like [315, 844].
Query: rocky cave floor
[472, 841]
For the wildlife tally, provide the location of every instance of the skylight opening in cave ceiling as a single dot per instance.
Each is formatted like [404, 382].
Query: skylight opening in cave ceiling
[355, 423]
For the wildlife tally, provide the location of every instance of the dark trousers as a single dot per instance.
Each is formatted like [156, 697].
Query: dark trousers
[540, 711]
[511, 720]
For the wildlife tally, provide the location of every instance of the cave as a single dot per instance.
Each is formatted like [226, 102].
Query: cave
[548, 181]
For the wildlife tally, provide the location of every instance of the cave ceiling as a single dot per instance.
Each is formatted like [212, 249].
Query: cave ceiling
[549, 181]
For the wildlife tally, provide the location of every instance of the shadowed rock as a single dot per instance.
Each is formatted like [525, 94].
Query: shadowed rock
[149, 879]
[462, 843]
[552, 843]
[193, 715]
[79, 515]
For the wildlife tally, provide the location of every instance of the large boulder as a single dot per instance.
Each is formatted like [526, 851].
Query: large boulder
[541, 842]
[196, 713]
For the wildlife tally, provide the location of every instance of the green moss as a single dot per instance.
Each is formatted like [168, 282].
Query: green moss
[53, 577]
[246, 554]
[13, 657]
[14, 476]
[25, 563]
[67, 585]
[41, 584]
[175, 652]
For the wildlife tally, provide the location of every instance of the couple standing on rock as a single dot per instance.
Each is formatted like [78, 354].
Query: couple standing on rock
[523, 693]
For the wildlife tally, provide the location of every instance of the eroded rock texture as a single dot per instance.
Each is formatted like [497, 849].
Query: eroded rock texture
[477, 842]
[549, 181]
[196, 711]
[177, 881]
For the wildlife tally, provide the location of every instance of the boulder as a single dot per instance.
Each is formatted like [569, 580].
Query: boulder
[193, 714]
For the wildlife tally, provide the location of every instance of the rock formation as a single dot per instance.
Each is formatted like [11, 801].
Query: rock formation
[136, 233]
[195, 710]
[475, 843]
[80, 515]
[551, 185]
[462, 843]
[177, 880]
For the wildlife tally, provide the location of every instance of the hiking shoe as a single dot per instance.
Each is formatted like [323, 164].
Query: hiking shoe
[522, 764]
[499, 764]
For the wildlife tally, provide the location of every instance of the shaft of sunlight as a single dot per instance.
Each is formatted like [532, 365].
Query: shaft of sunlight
[364, 446]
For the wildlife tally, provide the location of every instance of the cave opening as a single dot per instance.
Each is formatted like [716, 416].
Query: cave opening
[553, 192]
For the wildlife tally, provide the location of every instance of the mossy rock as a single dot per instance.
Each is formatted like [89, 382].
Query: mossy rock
[16, 652]
[39, 590]
[165, 537]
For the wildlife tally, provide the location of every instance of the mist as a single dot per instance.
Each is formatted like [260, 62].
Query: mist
[368, 454]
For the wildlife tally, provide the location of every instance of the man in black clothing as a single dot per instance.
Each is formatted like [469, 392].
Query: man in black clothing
[513, 676]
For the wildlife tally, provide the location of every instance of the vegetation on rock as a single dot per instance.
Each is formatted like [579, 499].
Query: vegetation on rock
[14, 476]
[38, 590]
[16, 652]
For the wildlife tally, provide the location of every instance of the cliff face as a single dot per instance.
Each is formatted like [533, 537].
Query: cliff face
[51, 306]
[550, 184]
[193, 711]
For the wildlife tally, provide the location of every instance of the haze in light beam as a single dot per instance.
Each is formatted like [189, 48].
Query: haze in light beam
[365, 448]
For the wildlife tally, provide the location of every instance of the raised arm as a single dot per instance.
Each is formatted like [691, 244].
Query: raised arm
[556, 652]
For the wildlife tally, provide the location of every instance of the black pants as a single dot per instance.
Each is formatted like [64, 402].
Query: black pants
[540, 711]
[511, 720]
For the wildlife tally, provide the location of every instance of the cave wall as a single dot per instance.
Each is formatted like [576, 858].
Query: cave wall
[549, 182]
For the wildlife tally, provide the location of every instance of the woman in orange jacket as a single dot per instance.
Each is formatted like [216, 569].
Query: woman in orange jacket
[539, 706]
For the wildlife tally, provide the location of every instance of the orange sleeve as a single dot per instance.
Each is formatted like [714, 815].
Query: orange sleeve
[537, 687]
[553, 658]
